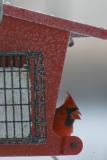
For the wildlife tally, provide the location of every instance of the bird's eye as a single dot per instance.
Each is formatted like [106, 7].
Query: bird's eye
[69, 110]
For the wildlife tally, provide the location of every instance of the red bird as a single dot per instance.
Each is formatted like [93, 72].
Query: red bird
[65, 116]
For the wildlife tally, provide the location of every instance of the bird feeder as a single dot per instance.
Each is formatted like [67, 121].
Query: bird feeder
[32, 52]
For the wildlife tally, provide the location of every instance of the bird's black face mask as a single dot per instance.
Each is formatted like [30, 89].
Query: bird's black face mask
[69, 121]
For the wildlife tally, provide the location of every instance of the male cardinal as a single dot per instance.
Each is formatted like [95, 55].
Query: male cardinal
[65, 116]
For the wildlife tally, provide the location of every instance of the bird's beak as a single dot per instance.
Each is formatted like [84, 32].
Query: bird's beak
[76, 115]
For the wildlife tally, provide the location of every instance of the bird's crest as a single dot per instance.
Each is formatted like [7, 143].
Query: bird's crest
[71, 107]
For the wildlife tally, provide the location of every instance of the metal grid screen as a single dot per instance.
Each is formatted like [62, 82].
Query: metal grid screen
[22, 98]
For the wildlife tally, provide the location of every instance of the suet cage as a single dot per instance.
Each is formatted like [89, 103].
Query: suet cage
[22, 98]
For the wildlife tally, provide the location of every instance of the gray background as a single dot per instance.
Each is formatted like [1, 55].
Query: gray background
[84, 74]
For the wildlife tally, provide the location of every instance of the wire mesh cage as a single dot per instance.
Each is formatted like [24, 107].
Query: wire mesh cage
[22, 98]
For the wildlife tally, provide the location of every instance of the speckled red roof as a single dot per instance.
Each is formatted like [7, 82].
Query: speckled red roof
[54, 22]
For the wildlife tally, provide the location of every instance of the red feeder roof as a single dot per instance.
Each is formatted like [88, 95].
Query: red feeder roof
[55, 22]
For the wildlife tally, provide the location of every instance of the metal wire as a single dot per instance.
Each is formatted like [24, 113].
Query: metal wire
[18, 121]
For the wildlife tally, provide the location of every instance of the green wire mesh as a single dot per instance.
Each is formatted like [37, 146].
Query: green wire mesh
[22, 98]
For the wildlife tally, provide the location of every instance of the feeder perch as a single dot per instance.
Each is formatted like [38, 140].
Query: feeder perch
[32, 52]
